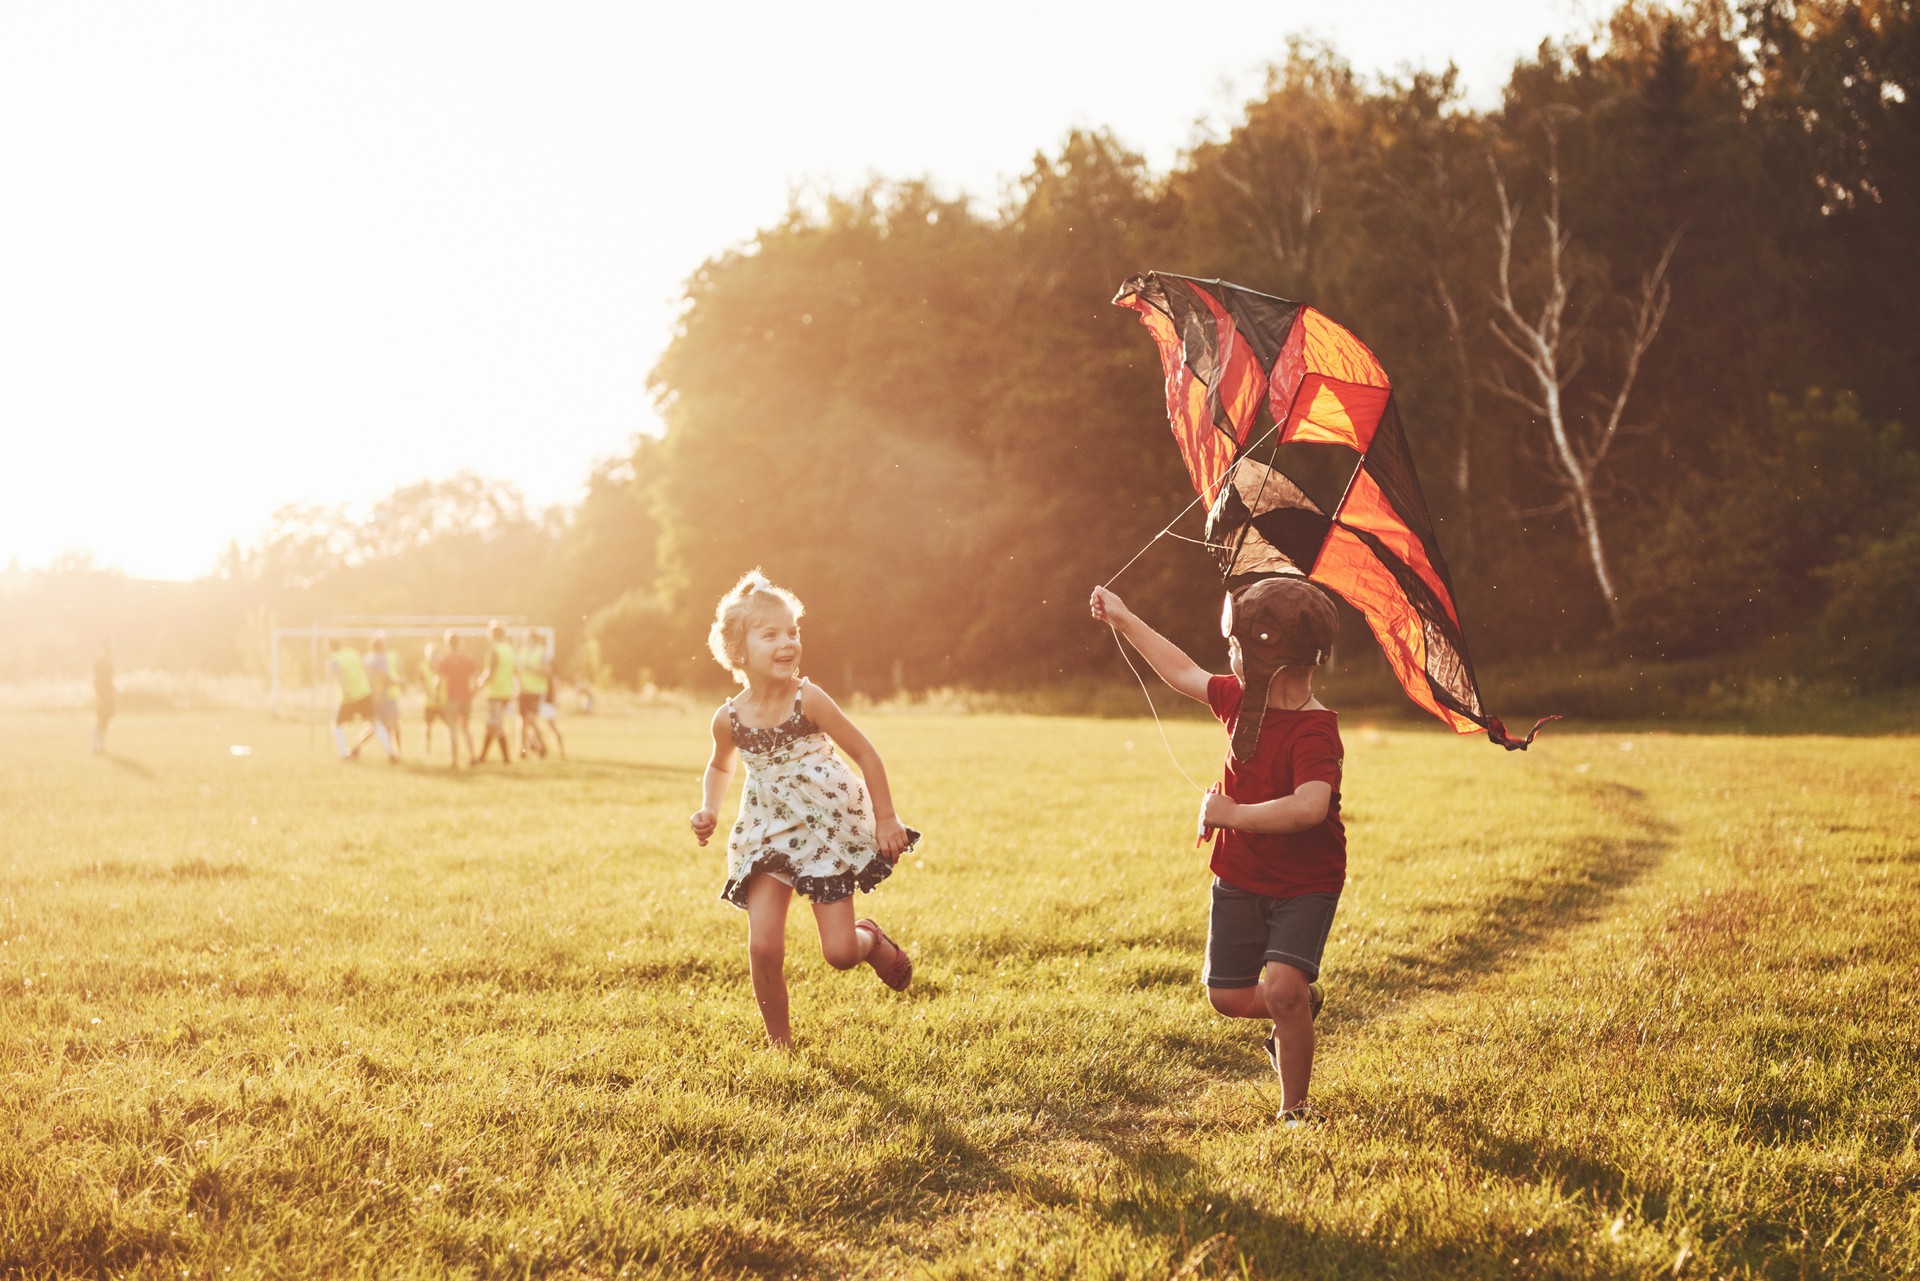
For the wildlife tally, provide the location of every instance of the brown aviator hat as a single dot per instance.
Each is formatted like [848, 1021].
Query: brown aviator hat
[1279, 622]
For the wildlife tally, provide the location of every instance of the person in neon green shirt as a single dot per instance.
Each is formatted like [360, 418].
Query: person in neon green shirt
[536, 698]
[356, 701]
[435, 686]
[497, 681]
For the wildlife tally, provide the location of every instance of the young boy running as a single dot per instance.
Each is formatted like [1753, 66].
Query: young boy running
[1279, 848]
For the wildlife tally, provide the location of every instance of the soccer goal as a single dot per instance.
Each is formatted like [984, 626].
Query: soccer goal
[361, 627]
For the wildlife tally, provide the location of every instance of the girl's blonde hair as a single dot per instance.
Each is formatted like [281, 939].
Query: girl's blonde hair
[727, 638]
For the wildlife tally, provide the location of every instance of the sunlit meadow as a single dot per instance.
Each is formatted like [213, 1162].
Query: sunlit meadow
[1627, 1005]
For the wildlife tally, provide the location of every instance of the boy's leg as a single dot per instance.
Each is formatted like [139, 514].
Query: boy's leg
[1297, 930]
[1287, 1000]
[1236, 948]
[767, 900]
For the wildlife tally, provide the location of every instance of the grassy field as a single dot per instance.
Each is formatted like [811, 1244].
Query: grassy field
[1625, 1006]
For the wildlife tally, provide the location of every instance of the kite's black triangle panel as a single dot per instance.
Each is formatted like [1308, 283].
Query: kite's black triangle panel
[1262, 319]
[1448, 669]
[1390, 462]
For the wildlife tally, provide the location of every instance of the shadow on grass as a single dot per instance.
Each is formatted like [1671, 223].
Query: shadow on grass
[1167, 1200]
[1496, 932]
[524, 773]
[127, 763]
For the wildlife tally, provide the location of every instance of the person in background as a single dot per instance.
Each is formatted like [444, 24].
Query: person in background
[356, 701]
[550, 712]
[531, 665]
[457, 670]
[497, 683]
[435, 687]
[383, 673]
[103, 693]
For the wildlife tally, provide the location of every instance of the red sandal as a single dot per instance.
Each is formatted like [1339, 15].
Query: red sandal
[900, 972]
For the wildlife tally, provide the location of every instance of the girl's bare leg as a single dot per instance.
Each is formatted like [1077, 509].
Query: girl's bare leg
[767, 900]
[842, 945]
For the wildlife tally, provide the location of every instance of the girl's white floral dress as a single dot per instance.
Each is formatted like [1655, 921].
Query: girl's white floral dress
[804, 815]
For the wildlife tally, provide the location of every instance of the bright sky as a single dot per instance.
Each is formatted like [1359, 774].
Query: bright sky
[255, 253]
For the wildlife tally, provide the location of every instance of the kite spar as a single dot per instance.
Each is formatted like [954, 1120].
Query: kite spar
[1236, 359]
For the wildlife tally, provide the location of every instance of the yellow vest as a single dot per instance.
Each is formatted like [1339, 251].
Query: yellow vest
[532, 679]
[501, 685]
[435, 684]
[353, 674]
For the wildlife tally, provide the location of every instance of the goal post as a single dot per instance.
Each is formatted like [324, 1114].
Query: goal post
[392, 627]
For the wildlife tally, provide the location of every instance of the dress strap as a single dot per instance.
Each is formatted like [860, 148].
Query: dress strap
[797, 694]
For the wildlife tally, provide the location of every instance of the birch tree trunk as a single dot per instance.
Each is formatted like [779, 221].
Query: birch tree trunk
[1547, 348]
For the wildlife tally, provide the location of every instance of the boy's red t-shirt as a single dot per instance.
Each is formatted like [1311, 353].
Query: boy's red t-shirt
[1295, 748]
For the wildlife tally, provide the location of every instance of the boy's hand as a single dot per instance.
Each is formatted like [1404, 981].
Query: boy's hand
[891, 836]
[703, 824]
[1107, 607]
[1216, 810]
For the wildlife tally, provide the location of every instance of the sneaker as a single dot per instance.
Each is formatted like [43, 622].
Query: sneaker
[1315, 999]
[1302, 1113]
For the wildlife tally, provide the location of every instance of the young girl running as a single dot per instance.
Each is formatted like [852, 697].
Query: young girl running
[806, 822]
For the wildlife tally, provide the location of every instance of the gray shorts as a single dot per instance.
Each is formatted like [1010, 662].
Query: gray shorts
[1246, 930]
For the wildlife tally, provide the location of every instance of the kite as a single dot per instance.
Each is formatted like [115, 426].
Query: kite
[1332, 495]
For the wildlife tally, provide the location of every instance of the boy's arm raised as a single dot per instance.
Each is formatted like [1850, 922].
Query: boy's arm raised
[1168, 660]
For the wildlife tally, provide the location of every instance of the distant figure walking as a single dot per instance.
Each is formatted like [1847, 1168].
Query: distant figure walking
[532, 668]
[435, 686]
[497, 682]
[356, 701]
[536, 673]
[457, 670]
[103, 693]
[383, 670]
[807, 823]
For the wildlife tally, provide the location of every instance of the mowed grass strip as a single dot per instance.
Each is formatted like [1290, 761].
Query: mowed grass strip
[1624, 1005]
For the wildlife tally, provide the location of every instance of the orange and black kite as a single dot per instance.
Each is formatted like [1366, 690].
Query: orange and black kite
[1332, 494]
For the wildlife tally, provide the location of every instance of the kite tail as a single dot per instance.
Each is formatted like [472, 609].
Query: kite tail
[1497, 733]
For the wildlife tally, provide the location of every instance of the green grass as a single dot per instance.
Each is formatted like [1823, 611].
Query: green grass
[1625, 1006]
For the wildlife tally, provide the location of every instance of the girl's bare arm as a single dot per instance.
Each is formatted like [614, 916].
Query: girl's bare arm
[824, 712]
[713, 785]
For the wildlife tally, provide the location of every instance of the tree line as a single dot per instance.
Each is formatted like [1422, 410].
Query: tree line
[1651, 322]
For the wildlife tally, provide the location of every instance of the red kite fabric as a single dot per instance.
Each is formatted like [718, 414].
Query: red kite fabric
[1244, 369]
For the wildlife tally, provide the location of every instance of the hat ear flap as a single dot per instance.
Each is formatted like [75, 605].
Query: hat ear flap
[1253, 705]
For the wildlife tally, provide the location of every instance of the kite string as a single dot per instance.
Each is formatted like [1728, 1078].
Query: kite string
[1146, 546]
[1167, 531]
[1168, 743]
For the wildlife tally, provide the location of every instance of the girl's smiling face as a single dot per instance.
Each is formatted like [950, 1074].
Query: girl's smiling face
[773, 643]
